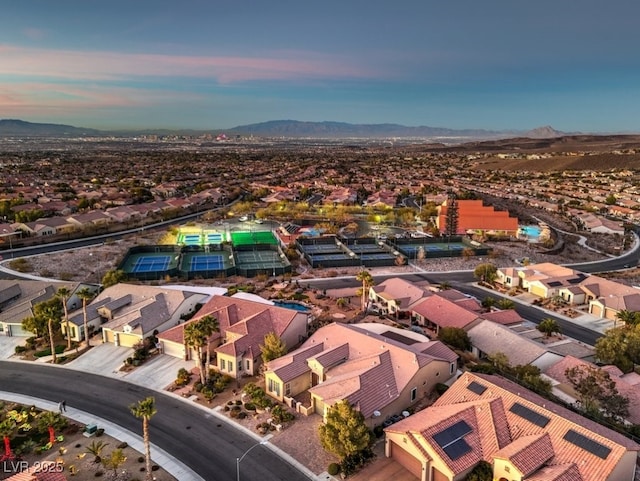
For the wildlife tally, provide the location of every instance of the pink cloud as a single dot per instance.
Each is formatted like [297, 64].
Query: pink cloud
[101, 65]
[34, 33]
[34, 97]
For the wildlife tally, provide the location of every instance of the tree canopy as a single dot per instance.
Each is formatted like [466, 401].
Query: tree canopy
[344, 433]
[273, 347]
[597, 392]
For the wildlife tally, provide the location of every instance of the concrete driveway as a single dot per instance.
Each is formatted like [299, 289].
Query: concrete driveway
[105, 359]
[158, 372]
[8, 345]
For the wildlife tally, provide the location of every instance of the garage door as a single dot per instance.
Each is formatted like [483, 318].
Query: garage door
[128, 340]
[539, 291]
[407, 460]
[173, 349]
[438, 476]
[108, 335]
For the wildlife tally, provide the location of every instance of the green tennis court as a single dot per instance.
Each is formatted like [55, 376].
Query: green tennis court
[244, 238]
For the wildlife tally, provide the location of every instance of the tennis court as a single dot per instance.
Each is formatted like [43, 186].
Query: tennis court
[151, 264]
[329, 257]
[203, 261]
[214, 238]
[244, 238]
[206, 263]
[377, 255]
[313, 249]
[358, 248]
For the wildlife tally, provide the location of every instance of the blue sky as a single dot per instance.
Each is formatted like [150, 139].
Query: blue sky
[206, 64]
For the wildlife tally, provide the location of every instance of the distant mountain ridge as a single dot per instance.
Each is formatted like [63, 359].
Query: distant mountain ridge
[21, 128]
[296, 128]
[287, 128]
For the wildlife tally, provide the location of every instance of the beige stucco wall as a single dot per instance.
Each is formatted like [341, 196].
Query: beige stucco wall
[625, 469]
[502, 468]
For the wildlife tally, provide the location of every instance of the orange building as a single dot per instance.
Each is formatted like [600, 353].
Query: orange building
[474, 216]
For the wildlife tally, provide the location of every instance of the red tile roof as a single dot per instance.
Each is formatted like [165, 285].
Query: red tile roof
[528, 445]
[444, 313]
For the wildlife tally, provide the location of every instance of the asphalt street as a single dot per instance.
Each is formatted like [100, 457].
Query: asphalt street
[204, 443]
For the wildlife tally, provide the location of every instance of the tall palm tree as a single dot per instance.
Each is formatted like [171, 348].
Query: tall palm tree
[366, 278]
[85, 294]
[195, 338]
[145, 409]
[51, 315]
[208, 325]
[63, 294]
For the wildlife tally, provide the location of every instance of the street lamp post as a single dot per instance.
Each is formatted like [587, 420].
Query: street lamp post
[238, 460]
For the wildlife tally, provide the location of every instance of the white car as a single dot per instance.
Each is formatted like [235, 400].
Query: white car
[259, 221]
[244, 218]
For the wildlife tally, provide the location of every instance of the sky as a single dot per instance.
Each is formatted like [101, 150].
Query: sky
[208, 64]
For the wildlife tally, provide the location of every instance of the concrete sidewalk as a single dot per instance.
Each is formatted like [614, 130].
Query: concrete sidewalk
[160, 457]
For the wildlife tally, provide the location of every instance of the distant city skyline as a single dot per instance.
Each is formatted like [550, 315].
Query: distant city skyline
[498, 65]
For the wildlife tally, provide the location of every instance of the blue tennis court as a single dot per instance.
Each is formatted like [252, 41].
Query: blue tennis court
[192, 239]
[214, 238]
[206, 263]
[377, 255]
[329, 257]
[320, 249]
[151, 264]
[365, 248]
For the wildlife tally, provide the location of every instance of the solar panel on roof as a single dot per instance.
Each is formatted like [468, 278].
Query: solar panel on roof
[457, 449]
[530, 415]
[452, 433]
[587, 444]
[555, 284]
[476, 387]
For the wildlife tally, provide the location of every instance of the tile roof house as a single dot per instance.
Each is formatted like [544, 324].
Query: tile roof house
[626, 384]
[381, 370]
[488, 338]
[17, 299]
[473, 215]
[435, 312]
[134, 312]
[396, 296]
[243, 325]
[40, 471]
[520, 434]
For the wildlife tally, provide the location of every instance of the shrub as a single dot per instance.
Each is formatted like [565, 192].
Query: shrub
[250, 407]
[122, 445]
[183, 377]
[47, 351]
[352, 463]
[333, 469]
[281, 415]
[208, 393]
[233, 413]
[242, 415]
[198, 387]
[141, 459]
[440, 388]
[99, 432]
[20, 349]
[30, 342]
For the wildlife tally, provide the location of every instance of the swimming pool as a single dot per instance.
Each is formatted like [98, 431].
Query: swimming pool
[291, 305]
[530, 233]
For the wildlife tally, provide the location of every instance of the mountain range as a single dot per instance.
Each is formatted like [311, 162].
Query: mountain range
[285, 128]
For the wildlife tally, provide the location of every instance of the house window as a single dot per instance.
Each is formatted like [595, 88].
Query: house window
[287, 389]
[248, 368]
[240, 365]
[507, 469]
[452, 368]
[414, 394]
[230, 366]
[274, 387]
[223, 364]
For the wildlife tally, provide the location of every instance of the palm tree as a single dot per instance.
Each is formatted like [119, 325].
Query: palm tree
[208, 325]
[51, 314]
[50, 421]
[195, 338]
[366, 278]
[145, 409]
[63, 294]
[548, 327]
[85, 294]
[629, 318]
[7, 427]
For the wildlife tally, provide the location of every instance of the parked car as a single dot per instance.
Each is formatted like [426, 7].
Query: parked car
[244, 218]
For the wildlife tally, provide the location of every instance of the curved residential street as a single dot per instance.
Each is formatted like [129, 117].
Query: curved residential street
[201, 441]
